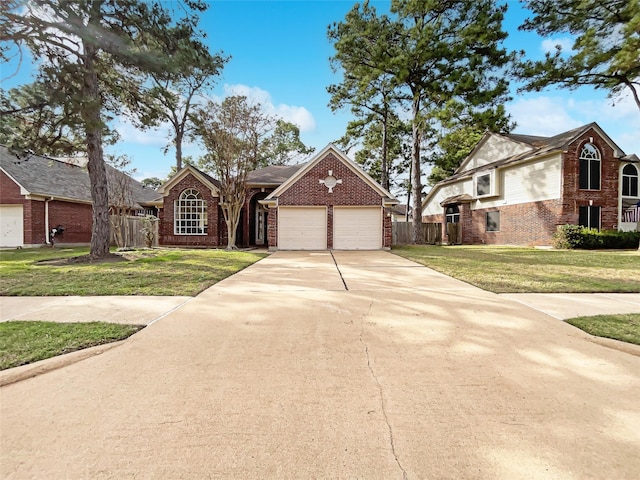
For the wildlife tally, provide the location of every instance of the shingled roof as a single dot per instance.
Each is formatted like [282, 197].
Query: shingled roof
[541, 146]
[273, 175]
[48, 177]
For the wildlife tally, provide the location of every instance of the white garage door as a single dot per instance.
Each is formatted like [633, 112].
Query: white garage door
[357, 228]
[11, 226]
[302, 228]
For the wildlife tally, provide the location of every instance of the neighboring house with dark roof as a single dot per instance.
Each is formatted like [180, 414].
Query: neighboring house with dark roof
[328, 202]
[39, 193]
[517, 189]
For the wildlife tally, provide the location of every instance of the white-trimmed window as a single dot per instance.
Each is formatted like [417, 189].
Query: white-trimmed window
[190, 214]
[452, 214]
[629, 181]
[589, 216]
[589, 167]
[485, 184]
[493, 222]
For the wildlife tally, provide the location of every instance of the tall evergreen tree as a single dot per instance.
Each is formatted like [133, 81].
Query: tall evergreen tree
[92, 52]
[604, 54]
[435, 53]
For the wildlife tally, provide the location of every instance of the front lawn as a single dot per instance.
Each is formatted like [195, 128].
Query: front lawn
[48, 271]
[531, 270]
[625, 328]
[27, 342]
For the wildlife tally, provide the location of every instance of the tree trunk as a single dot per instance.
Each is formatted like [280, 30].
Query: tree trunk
[178, 151]
[231, 213]
[416, 184]
[385, 149]
[97, 171]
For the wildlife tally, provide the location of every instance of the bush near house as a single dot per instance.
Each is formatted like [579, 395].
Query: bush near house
[578, 237]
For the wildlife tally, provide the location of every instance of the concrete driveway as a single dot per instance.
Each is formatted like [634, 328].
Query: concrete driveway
[343, 365]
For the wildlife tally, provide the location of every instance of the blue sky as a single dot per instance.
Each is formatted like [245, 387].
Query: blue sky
[280, 56]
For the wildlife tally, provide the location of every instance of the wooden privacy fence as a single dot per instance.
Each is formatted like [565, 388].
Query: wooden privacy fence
[127, 231]
[401, 233]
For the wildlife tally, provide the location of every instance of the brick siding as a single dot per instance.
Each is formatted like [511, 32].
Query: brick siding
[166, 233]
[353, 191]
[309, 191]
[606, 197]
[76, 218]
[534, 223]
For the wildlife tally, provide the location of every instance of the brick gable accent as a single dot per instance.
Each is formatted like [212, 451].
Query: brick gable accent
[606, 197]
[308, 190]
[166, 225]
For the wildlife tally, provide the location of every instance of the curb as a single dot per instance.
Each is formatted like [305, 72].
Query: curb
[625, 347]
[17, 374]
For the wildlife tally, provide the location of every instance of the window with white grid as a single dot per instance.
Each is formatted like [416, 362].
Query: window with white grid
[190, 214]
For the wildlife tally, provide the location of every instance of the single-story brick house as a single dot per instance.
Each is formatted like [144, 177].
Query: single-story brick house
[38, 194]
[328, 202]
[517, 189]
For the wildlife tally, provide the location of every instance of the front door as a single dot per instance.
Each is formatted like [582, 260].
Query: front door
[261, 224]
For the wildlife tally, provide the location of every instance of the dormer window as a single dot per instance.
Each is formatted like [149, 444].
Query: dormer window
[485, 184]
[589, 167]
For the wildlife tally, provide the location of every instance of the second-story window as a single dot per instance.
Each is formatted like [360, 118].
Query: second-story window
[589, 167]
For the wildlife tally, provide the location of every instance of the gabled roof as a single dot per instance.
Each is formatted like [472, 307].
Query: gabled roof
[208, 180]
[540, 146]
[47, 177]
[273, 175]
[331, 148]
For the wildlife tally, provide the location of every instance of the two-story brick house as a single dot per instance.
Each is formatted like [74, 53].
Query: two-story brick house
[516, 189]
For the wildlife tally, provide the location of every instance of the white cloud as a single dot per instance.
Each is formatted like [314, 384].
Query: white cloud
[291, 113]
[543, 116]
[157, 136]
[548, 116]
[549, 44]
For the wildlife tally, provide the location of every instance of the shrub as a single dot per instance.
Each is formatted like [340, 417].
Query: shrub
[149, 229]
[578, 237]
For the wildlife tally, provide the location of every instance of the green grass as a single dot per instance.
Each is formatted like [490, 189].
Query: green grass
[531, 270]
[142, 272]
[22, 343]
[625, 328]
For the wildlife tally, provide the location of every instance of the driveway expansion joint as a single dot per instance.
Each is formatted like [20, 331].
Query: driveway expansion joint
[339, 272]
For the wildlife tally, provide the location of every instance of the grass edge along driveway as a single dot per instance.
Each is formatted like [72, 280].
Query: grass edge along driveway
[531, 270]
[48, 272]
[158, 271]
[25, 342]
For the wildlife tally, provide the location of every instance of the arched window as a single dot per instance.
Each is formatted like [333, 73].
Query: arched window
[190, 214]
[452, 214]
[629, 181]
[589, 167]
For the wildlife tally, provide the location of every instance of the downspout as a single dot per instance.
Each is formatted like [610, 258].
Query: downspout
[46, 220]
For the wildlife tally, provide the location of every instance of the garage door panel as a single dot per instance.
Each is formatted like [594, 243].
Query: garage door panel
[302, 228]
[357, 228]
[11, 226]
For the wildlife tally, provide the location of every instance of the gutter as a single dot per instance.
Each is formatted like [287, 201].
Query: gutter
[46, 220]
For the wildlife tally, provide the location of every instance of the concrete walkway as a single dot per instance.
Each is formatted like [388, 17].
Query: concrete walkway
[351, 365]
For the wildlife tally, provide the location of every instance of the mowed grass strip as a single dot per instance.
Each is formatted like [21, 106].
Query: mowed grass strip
[37, 272]
[24, 342]
[531, 270]
[623, 327]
